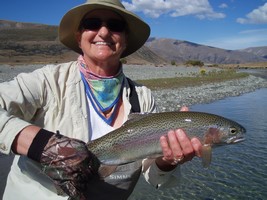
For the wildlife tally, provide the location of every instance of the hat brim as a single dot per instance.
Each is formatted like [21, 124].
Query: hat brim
[137, 35]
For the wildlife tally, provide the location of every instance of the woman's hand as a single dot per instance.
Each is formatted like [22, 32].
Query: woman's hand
[177, 148]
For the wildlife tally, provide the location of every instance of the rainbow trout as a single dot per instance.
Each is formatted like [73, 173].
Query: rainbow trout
[138, 138]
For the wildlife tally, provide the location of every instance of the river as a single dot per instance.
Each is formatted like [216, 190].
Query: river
[237, 171]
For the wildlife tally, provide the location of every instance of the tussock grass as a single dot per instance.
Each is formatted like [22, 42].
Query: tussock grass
[198, 79]
[256, 65]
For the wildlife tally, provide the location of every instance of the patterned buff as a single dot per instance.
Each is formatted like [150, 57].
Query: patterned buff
[69, 164]
[104, 92]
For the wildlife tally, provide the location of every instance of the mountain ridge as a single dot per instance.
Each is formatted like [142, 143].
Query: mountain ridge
[38, 43]
[180, 51]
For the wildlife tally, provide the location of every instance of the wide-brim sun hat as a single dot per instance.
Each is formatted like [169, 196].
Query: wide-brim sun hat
[137, 30]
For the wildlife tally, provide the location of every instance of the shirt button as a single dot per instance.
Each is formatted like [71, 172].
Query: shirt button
[3, 146]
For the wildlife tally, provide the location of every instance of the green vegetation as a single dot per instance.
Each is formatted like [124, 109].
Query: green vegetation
[173, 62]
[256, 65]
[123, 61]
[198, 79]
[202, 72]
[30, 34]
[194, 63]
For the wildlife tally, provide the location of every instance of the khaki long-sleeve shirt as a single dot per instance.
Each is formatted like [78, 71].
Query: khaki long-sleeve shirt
[54, 98]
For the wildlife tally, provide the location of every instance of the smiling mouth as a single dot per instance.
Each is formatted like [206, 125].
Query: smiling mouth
[104, 43]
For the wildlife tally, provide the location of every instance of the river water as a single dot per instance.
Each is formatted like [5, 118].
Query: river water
[237, 171]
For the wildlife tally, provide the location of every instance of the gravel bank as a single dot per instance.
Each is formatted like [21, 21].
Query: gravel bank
[173, 99]
[136, 72]
[170, 99]
[8, 72]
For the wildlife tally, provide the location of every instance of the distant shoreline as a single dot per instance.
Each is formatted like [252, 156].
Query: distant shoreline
[46, 61]
[136, 72]
[170, 98]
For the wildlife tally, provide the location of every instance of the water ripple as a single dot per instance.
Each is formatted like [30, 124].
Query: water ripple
[237, 171]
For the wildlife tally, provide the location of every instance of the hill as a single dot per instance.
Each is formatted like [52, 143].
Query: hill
[38, 43]
[181, 51]
[259, 51]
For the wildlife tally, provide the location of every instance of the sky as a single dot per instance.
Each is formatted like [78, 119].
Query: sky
[227, 24]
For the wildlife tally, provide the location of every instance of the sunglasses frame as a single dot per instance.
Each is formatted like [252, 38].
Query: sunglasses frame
[94, 24]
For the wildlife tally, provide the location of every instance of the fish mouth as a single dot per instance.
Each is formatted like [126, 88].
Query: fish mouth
[235, 139]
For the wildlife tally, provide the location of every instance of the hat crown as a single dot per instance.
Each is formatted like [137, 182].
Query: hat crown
[137, 30]
[112, 2]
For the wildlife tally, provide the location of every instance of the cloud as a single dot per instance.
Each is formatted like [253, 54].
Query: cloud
[257, 16]
[243, 39]
[223, 5]
[174, 8]
[255, 31]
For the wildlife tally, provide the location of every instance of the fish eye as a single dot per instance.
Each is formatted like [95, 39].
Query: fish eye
[233, 130]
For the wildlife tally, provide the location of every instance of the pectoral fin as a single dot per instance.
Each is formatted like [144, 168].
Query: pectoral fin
[206, 155]
[106, 170]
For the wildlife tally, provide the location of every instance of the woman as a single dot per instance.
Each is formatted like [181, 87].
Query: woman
[42, 112]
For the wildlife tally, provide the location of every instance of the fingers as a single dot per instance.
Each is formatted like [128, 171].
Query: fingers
[177, 147]
[197, 146]
[166, 150]
[186, 147]
[184, 109]
[170, 147]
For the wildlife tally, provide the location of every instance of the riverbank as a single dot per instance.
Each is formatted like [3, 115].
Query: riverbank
[173, 98]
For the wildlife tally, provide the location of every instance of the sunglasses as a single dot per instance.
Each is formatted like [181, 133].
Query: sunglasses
[114, 25]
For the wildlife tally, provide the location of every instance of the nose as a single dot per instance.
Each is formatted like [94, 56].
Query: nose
[103, 31]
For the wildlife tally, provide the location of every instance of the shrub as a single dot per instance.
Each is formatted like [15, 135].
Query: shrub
[123, 61]
[194, 63]
[202, 72]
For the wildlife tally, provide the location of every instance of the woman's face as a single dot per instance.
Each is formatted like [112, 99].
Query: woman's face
[102, 45]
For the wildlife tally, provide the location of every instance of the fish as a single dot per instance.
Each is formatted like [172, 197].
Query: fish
[138, 138]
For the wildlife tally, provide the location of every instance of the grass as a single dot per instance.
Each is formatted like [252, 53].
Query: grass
[256, 65]
[198, 79]
[29, 34]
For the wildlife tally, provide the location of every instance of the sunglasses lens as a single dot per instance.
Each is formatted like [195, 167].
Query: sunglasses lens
[114, 25]
[92, 24]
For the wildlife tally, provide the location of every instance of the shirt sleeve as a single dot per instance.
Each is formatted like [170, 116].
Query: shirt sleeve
[158, 178]
[19, 101]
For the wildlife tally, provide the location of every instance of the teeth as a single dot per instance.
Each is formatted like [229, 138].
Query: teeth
[102, 43]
